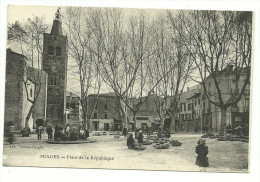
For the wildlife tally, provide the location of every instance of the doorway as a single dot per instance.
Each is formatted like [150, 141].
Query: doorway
[106, 126]
[95, 125]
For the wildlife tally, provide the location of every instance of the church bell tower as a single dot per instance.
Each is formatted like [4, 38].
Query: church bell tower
[55, 58]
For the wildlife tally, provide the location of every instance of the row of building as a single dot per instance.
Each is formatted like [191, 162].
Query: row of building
[195, 111]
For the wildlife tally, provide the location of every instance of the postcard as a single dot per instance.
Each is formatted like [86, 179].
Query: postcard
[125, 88]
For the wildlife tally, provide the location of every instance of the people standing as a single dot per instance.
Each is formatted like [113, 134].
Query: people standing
[202, 151]
[86, 132]
[67, 132]
[140, 138]
[130, 142]
[49, 132]
[56, 132]
[39, 132]
[136, 133]
[125, 131]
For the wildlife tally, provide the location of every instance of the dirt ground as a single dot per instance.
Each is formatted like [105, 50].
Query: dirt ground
[108, 152]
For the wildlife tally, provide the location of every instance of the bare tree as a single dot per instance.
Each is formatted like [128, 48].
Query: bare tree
[171, 63]
[110, 46]
[219, 43]
[124, 52]
[79, 42]
[28, 37]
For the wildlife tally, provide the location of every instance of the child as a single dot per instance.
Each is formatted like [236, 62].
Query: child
[202, 151]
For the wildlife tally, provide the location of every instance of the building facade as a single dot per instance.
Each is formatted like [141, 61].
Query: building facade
[197, 113]
[147, 115]
[237, 114]
[189, 117]
[104, 109]
[55, 57]
[22, 88]
[17, 98]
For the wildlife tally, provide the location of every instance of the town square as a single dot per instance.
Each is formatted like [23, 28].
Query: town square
[120, 88]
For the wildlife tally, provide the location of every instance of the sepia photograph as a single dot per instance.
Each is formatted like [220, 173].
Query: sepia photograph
[127, 88]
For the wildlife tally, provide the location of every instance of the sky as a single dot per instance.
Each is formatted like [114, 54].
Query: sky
[22, 13]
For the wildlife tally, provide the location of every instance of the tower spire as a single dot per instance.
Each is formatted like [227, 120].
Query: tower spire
[57, 14]
[57, 25]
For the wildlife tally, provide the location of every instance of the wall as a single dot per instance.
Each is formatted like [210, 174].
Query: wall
[39, 111]
[17, 104]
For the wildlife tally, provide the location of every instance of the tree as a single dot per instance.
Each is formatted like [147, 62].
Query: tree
[124, 53]
[79, 43]
[28, 37]
[171, 63]
[110, 47]
[219, 43]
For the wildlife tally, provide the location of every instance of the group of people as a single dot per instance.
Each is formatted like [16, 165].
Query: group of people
[62, 133]
[26, 132]
[165, 131]
[201, 149]
[132, 144]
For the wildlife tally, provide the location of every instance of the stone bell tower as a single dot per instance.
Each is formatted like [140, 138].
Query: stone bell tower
[55, 58]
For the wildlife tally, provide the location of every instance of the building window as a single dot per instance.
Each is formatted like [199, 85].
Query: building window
[105, 106]
[199, 102]
[189, 107]
[96, 107]
[52, 80]
[58, 51]
[184, 106]
[105, 116]
[31, 91]
[95, 115]
[50, 50]
[195, 102]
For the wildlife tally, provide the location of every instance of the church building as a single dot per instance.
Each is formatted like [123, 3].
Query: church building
[55, 58]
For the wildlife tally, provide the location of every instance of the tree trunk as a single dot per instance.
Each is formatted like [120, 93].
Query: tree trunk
[88, 124]
[172, 127]
[28, 116]
[84, 119]
[134, 118]
[161, 122]
[223, 123]
[123, 113]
